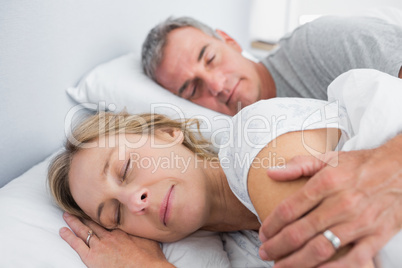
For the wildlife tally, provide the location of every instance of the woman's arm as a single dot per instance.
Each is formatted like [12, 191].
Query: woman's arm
[266, 194]
[111, 249]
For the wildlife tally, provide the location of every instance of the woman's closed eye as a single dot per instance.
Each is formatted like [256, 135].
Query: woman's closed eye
[123, 178]
[118, 215]
[125, 168]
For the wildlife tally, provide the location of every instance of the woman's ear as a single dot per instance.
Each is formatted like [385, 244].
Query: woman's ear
[170, 134]
[229, 40]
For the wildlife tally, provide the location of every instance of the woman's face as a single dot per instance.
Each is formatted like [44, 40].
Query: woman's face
[148, 187]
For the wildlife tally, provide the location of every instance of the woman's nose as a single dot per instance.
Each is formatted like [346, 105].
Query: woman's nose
[136, 201]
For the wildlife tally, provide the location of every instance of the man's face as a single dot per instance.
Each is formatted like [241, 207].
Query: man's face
[208, 71]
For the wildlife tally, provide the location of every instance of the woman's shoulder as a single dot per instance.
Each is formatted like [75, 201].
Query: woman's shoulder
[258, 124]
[284, 105]
[286, 113]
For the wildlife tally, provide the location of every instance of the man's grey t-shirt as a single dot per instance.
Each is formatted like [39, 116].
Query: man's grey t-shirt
[309, 59]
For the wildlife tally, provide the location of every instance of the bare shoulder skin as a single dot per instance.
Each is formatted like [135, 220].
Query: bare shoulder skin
[266, 193]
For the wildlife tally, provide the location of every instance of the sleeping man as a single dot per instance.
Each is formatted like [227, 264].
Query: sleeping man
[206, 67]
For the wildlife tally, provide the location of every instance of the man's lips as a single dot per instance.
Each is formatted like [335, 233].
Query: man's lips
[231, 93]
[165, 209]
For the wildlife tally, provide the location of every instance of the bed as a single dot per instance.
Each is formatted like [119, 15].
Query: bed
[54, 55]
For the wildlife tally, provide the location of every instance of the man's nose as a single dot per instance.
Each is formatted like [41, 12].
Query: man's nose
[136, 201]
[215, 82]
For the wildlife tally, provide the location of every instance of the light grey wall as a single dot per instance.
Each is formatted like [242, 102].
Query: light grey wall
[47, 45]
[345, 7]
[335, 7]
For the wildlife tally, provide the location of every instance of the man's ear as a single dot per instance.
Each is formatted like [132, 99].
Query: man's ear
[229, 40]
[170, 134]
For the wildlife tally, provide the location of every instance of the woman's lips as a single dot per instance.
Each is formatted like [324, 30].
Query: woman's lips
[165, 209]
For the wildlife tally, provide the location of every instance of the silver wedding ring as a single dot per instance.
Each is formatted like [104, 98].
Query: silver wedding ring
[335, 241]
[90, 234]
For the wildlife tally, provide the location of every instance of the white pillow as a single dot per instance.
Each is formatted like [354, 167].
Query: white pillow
[121, 83]
[30, 223]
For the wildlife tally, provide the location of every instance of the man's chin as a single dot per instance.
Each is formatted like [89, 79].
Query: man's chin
[238, 106]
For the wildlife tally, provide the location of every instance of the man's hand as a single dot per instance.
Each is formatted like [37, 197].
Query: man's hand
[111, 249]
[359, 198]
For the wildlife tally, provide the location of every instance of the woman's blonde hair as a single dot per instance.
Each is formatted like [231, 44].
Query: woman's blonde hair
[105, 124]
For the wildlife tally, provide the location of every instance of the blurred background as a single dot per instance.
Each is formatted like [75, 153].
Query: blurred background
[258, 24]
[272, 19]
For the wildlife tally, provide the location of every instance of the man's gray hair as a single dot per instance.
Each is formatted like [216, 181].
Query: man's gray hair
[152, 48]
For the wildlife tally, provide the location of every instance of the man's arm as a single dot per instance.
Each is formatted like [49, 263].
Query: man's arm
[360, 200]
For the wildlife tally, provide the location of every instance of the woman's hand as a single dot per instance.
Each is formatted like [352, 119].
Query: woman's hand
[359, 198]
[111, 249]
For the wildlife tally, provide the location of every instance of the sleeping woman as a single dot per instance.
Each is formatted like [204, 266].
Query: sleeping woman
[152, 177]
